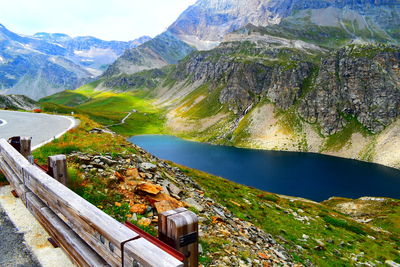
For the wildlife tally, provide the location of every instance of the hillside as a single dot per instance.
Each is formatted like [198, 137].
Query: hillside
[239, 225]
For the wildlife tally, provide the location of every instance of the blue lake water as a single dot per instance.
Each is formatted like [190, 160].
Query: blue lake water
[307, 175]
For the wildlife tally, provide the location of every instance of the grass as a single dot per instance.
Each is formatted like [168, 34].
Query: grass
[81, 140]
[279, 216]
[342, 237]
[109, 108]
[339, 140]
[91, 187]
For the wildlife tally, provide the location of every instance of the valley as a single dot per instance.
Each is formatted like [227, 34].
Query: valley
[277, 122]
[271, 99]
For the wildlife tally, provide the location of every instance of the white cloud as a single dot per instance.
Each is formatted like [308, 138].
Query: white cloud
[105, 19]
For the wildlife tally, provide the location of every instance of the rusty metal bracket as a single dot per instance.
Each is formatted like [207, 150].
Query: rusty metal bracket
[170, 250]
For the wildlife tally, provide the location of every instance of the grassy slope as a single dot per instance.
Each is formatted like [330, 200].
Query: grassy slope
[109, 108]
[342, 237]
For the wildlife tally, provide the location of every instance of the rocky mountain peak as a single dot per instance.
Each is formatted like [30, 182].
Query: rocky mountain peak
[204, 24]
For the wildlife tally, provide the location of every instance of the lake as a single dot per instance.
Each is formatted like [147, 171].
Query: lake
[307, 175]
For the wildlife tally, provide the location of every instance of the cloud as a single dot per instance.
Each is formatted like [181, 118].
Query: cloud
[105, 19]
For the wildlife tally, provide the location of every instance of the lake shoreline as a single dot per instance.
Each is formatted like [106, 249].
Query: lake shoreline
[302, 164]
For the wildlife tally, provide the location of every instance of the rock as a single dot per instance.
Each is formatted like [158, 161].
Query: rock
[193, 203]
[107, 160]
[392, 263]
[119, 176]
[138, 208]
[174, 189]
[147, 166]
[319, 242]
[144, 221]
[149, 188]
[98, 130]
[166, 205]
[219, 212]
[247, 201]
[279, 254]
[132, 173]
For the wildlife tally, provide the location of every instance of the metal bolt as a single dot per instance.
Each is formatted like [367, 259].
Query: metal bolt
[135, 263]
[111, 246]
[102, 240]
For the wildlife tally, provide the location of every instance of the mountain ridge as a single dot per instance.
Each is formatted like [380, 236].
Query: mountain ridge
[35, 67]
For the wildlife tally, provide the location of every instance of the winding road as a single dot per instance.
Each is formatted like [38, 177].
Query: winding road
[41, 127]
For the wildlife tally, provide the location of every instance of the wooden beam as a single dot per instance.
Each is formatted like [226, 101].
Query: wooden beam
[75, 223]
[75, 247]
[140, 252]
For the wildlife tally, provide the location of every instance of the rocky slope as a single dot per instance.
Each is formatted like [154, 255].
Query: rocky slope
[206, 23]
[44, 64]
[17, 102]
[238, 225]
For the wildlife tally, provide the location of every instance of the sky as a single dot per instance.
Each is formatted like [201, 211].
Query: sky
[121, 20]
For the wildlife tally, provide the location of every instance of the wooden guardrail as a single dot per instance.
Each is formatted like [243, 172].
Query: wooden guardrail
[87, 234]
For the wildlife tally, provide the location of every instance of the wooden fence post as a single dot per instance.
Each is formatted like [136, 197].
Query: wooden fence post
[26, 146]
[58, 168]
[22, 145]
[179, 229]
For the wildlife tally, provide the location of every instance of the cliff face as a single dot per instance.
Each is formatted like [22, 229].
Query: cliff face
[277, 74]
[359, 82]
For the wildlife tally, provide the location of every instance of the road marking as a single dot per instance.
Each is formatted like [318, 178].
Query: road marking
[2, 122]
[72, 125]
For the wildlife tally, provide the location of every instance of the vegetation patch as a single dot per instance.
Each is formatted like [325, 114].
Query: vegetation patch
[326, 238]
[340, 139]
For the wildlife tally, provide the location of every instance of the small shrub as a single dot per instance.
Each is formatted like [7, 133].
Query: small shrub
[343, 224]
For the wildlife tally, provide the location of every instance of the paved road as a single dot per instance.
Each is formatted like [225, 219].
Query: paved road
[41, 127]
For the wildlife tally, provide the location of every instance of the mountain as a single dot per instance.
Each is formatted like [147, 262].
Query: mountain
[273, 93]
[44, 64]
[92, 53]
[205, 24]
[164, 49]
[327, 84]
[17, 102]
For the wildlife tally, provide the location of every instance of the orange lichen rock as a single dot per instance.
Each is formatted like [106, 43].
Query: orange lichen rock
[166, 205]
[120, 177]
[132, 173]
[149, 188]
[138, 208]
